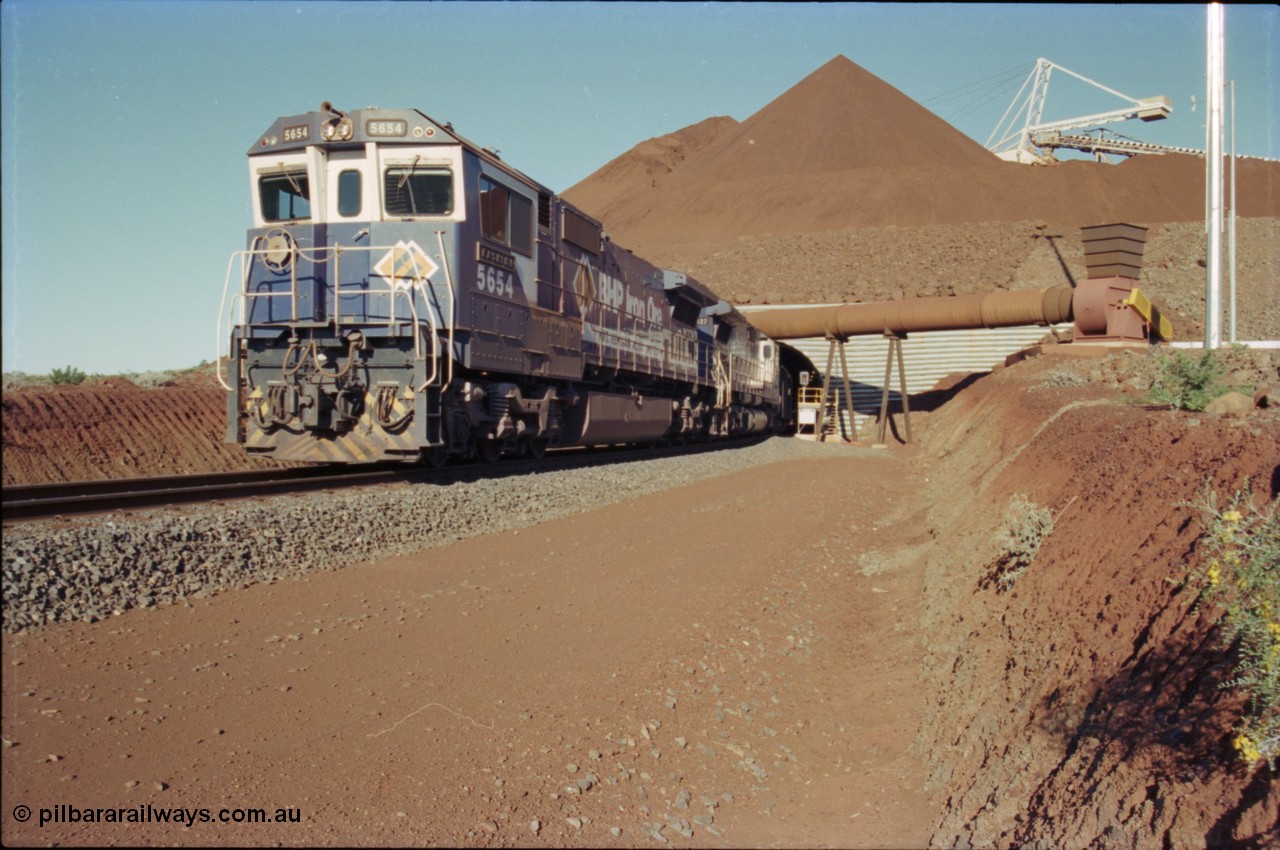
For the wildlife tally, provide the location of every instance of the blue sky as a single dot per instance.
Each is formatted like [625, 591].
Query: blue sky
[125, 124]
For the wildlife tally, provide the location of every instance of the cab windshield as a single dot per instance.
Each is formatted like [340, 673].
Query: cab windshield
[285, 196]
[418, 190]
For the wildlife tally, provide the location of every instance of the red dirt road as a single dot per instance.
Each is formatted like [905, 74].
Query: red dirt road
[450, 697]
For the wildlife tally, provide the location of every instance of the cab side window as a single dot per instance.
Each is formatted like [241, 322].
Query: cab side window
[506, 217]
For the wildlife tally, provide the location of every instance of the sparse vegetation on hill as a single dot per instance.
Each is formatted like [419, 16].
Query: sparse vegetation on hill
[1026, 525]
[1240, 576]
[67, 375]
[1186, 382]
[71, 376]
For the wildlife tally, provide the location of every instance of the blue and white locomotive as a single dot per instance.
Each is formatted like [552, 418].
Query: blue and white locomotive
[407, 295]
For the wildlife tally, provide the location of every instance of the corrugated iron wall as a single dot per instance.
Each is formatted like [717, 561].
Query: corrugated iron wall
[927, 358]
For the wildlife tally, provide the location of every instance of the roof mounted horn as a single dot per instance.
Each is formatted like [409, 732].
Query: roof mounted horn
[338, 128]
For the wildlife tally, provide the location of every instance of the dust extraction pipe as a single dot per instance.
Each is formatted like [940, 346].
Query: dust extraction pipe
[962, 312]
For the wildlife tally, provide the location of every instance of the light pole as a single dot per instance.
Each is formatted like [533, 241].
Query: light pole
[1231, 226]
[1213, 179]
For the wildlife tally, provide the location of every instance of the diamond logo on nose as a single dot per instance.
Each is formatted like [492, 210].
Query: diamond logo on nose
[406, 265]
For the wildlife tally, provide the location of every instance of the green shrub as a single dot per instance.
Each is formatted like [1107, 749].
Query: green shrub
[1240, 575]
[1186, 383]
[69, 375]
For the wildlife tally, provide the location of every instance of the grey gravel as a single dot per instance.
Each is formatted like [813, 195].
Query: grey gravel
[93, 568]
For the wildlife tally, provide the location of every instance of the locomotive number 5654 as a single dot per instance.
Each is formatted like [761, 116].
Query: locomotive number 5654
[495, 281]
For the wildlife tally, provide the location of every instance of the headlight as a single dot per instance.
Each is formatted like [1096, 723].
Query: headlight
[339, 131]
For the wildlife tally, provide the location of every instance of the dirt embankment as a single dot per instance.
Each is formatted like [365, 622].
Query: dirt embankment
[1080, 705]
[115, 429]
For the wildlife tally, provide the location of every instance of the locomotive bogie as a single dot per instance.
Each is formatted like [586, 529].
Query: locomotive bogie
[405, 293]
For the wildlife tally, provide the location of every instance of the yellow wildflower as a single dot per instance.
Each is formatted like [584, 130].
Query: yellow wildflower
[1247, 749]
[1214, 575]
[1232, 516]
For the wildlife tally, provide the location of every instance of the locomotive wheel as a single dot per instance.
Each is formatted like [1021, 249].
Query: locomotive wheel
[537, 449]
[489, 450]
[436, 456]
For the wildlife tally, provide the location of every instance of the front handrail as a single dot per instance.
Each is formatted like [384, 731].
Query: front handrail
[321, 256]
[448, 276]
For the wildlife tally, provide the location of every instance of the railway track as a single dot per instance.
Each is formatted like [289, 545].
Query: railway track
[36, 501]
[42, 501]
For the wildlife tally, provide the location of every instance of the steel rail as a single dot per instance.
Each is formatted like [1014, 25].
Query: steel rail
[42, 501]
[77, 497]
